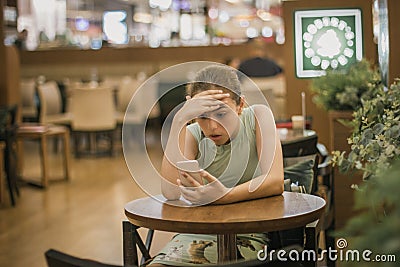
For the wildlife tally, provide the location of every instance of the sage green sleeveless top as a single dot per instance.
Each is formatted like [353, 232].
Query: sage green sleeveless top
[234, 163]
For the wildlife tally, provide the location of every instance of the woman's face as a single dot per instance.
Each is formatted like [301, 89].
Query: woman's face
[222, 124]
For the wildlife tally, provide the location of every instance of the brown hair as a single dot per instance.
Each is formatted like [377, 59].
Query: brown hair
[216, 76]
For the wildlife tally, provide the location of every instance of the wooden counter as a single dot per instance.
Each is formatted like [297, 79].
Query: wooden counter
[140, 54]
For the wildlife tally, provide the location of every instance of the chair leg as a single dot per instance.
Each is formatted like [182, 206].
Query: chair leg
[66, 154]
[111, 137]
[77, 140]
[10, 188]
[10, 169]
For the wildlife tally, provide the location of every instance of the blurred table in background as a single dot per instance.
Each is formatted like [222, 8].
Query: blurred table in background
[42, 133]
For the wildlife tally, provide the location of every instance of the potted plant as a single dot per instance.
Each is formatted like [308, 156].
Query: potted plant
[375, 151]
[340, 92]
[375, 139]
[345, 89]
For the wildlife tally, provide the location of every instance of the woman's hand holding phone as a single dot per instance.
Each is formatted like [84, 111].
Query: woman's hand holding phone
[191, 168]
[193, 188]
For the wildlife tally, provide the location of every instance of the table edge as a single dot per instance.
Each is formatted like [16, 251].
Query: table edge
[226, 227]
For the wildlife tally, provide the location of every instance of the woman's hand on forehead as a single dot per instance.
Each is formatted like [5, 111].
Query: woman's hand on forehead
[205, 101]
[213, 93]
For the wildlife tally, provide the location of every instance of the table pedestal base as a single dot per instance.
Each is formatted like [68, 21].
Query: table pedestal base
[227, 249]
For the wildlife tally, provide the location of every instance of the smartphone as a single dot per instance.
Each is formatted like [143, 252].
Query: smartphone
[192, 168]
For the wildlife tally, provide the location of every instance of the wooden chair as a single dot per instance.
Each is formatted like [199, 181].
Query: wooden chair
[93, 114]
[323, 185]
[296, 150]
[326, 191]
[55, 258]
[303, 146]
[133, 113]
[42, 133]
[127, 89]
[51, 105]
[300, 175]
[29, 110]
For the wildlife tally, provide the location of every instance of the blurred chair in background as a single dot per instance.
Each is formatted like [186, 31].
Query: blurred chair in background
[93, 115]
[51, 104]
[41, 134]
[55, 258]
[323, 184]
[326, 191]
[127, 89]
[133, 108]
[29, 109]
[301, 146]
[113, 82]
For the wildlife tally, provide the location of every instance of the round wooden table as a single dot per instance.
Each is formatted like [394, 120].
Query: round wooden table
[287, 211]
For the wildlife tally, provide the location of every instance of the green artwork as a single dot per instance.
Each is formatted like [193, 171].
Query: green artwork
[326, 39]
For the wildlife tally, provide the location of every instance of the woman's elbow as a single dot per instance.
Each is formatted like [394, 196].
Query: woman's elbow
[277, 187]
[170, 192]
[171, 196]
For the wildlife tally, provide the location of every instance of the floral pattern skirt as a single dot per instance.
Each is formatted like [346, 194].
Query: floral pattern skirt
[195, 249]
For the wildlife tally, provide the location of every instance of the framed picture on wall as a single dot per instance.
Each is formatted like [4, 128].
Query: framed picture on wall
[326, 39]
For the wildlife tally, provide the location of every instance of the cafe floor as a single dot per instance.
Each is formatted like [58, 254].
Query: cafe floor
[81, 217]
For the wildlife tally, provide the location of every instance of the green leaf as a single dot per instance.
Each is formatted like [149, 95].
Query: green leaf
[378, 128]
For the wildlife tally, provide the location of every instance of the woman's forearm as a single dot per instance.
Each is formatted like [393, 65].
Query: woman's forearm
[172, 154]
[176, 139]
[271, 186]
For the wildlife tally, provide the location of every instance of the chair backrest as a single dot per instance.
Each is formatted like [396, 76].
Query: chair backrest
[50, 100]
[302, 171]
[93, 110]
[139, 106]
[127, 88]
[150, 93]
[302, 146]
[55, 258]
[113, 81]
[28, 91]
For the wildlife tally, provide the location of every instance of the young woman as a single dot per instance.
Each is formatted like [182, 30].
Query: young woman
[239, 154]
